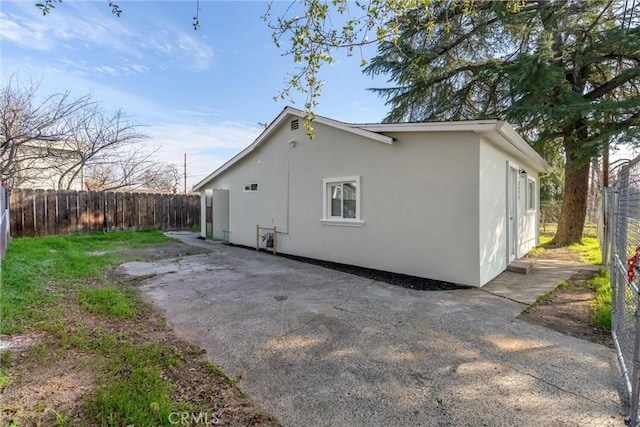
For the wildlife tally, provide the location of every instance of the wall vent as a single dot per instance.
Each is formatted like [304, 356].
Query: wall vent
[295, 124]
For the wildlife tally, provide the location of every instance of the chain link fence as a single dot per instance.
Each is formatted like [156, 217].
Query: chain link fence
[622, 225]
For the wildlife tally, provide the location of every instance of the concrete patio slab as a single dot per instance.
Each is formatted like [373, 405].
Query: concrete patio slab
[320, 347]
[543, 277]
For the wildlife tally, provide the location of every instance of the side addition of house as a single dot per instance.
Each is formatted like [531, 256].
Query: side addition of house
[451, 201]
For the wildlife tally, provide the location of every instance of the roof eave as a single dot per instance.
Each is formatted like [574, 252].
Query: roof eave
[286, 112]
[499, 132]
[507, 132]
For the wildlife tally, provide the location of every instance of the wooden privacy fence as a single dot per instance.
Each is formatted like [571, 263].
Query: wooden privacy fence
[49, 212]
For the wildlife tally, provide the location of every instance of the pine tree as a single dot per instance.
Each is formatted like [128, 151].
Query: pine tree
[566, 73]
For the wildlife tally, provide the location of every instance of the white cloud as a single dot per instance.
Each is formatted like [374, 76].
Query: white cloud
[104, 69]
[90, 29]
[202, 138]
[199, 112]
[138, 68]
[200, 53]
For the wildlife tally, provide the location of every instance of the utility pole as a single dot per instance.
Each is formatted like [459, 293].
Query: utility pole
[185, 173]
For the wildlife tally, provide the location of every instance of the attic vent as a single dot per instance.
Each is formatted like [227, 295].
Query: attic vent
[295, 124]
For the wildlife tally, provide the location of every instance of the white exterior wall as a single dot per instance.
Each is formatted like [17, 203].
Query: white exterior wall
[493, 211]
[220, 214]
[493, 217]
[419, 200]
[41, 171]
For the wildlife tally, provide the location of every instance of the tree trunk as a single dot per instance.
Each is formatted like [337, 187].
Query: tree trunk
[574, 202]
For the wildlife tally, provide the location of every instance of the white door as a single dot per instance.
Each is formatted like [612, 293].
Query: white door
[512, 213]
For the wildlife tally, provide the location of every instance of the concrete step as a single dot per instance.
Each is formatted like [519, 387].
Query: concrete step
[521, 266]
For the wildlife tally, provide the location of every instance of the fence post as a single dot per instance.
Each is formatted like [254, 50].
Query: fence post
[635, 378]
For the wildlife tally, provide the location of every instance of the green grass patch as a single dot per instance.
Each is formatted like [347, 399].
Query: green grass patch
[542, 298]
[545, 238]
[109, 301]
[589, 251]
[536, 251]
[6, 362]
[36, 271]
[133, 390]
[602, 303]
[63, 286]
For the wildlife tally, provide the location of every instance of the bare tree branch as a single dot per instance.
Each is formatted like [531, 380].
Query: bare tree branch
[51, 142]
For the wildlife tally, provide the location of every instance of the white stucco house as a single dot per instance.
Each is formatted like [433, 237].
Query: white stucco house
[451, 201]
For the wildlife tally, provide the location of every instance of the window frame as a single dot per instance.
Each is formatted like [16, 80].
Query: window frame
[530, 197]
[327, 218]
[249, 188]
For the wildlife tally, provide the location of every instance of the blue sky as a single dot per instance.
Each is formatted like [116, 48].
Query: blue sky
[197, 92]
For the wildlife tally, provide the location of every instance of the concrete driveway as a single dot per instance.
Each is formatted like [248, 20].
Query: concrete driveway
[316, 347]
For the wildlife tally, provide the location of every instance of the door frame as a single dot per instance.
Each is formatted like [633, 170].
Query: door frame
[513, 196]
[208, 209]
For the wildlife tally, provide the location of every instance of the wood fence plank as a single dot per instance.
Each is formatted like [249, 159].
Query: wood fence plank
[154, 208]
[180, 210]
[39, 212]
[64, 212]
[110, 210]
[88, 211]
[16, 216]
[28, 214]
[97, 211]
[91, 213]
[130, 212]
[74, 211]
[117, 212]
[148, 210]
[121, 203]
[52, 213]
[82, 211]
[150, 217]
[142, 211]
[168, 211]
[165, 212]
[173, 212]
[157, 211]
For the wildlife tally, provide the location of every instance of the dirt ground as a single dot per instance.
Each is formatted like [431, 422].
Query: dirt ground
[49, 378]
[569, 310]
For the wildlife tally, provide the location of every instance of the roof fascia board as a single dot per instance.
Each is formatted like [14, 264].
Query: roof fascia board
[521, 145]
[478, 125]
[358, 130]
[497, 132]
